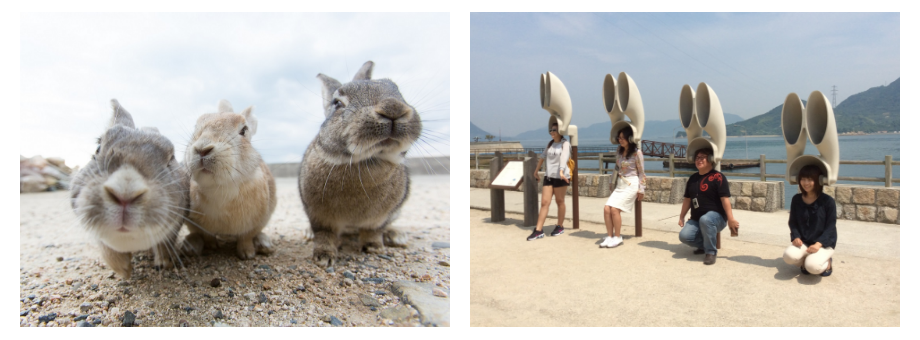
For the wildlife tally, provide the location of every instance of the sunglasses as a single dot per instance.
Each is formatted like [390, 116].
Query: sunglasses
[553, 130]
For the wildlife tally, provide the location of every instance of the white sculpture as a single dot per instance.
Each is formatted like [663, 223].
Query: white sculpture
[555, 99]
[623, 101]
[819, 125]
[701, 111]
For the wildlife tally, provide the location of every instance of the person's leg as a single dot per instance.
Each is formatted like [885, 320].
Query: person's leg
[617, 221]
[560, 202]
[608, 219]
[545, 199]
[817, 263]
[711, 223]
[795, 255]
[690, 234]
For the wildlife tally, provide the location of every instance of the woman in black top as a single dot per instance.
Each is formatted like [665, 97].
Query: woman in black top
[812, 226]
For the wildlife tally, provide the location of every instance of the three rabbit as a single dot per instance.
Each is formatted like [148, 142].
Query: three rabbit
[134, 195]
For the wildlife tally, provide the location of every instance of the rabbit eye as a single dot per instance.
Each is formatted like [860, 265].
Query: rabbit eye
[98, 148]
[243, 131]
[338, 104]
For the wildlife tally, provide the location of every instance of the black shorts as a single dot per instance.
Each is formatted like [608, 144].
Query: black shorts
[555, 182]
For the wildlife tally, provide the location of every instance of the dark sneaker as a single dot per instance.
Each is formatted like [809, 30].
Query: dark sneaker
[558, 231]
[830, 268]
[710, 259]
[535, 235]
[805, 272]
[699, 251]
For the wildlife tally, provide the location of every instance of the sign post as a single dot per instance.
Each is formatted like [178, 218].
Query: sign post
[497, 195]
[531, 203]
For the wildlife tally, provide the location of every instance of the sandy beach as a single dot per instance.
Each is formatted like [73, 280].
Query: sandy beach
[63, 281]
[656, 281]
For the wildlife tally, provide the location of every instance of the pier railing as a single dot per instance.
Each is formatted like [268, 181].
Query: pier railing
[480, 160]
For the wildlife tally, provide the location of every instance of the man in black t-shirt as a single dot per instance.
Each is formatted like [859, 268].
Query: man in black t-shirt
[707, 198]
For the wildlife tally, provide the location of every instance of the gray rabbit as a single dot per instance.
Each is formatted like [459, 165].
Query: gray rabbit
[133, 195]
[352, 179]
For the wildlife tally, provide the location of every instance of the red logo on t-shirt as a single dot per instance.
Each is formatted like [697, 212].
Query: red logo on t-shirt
[712, 178]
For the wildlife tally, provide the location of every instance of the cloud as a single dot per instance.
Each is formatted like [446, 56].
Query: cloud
[167, 69]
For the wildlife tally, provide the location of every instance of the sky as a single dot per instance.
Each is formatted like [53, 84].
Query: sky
[751, 60]
[168, 69]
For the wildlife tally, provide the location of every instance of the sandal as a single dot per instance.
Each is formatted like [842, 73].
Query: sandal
[829, 268]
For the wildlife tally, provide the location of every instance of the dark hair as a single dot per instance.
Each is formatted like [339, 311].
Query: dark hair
[627, 133]
[561, 137]
[814, 173]
[707, 151]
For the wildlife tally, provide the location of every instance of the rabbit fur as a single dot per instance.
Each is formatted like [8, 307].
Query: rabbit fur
[133, 194]
[232, 190]
[352, 179]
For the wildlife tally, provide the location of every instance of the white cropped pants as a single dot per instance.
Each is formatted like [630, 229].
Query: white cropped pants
[814, 263]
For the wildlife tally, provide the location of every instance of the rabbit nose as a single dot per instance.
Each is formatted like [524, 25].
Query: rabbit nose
[204, 151]
[392, 109]
[124, 198]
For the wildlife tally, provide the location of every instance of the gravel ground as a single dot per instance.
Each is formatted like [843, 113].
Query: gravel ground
[63, 281]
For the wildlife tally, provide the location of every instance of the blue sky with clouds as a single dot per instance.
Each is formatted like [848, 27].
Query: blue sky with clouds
[751, 60]
[167, 69]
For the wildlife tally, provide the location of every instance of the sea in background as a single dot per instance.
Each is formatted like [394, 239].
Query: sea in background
[852, 148]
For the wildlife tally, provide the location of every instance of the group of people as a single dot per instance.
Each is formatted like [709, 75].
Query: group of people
[812, 214]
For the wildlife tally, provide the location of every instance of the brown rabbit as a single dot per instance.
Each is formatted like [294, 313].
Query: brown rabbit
[232, 190]
[133, 195]
[352, 179]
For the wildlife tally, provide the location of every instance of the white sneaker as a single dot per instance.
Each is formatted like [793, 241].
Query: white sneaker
[615, 241]
[607, 241]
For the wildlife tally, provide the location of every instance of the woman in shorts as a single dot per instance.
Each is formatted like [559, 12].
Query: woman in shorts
[555, 182]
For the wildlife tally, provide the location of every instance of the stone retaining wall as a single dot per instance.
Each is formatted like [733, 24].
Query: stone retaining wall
[854, 202]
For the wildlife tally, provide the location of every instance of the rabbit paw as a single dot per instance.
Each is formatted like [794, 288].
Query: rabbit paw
[119, 262]
[245, 249]
[263, 244]
[163, 257]
[308, 234]
[324, 257]
[396, 238]
[371, 241]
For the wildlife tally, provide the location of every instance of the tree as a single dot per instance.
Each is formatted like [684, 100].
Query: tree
[476, 139]
[490, 137]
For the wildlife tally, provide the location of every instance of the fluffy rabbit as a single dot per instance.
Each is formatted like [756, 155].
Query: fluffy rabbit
[133, 195]
[232, 190]
[352, 179]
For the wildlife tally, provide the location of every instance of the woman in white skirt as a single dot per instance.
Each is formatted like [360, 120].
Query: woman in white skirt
[630, 185]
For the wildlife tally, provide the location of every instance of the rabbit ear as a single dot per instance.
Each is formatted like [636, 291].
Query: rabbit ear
[365, 72]
[224, 106]
[120, 116]
[251, 120]
[329, 87]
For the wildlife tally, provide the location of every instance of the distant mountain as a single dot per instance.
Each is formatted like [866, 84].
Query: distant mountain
[873, 110]
[653, 129]
[475, 131]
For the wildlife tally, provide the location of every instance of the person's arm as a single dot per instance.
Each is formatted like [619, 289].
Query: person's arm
[564, 160]
[536, 173]
[829, 236]
[794, 234]
[727, 205]
[640, 172]
[683, 211]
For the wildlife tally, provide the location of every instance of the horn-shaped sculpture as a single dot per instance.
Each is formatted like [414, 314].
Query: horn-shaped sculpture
[819, 125]
[701, 111]
[555, 99]
[622, 101]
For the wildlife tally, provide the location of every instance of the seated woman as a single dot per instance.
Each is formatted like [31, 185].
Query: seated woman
[630, 186]
[812, 225]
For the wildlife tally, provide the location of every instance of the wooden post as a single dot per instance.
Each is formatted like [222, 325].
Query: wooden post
[671, 164]
[497, 195]
[638, 217]
[763, 168]
[574, 189]
[719, 240]
[477, 161]
[531, 202]
[888, 171]
[600, 163]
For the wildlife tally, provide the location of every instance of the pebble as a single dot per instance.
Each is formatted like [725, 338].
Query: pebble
[128, 320]
[183, 323]
[384, 257]
[68, 282]
[444, 263]
[438, 292]
[86, 306]
[330, 270]
[96, 321]
[335, 321]
[85, 324]
[218, 314]
[24, 313]
[148, 303]
[349, 275]
[369, 301]
[31, 296]
[317, 280]
[47, 317]
[373, 279]
[174, 306]
[262, 298]
[81, 317]
[215, 283]
[94, 287]
[266, 286]
[380, 292]
[60, 258]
